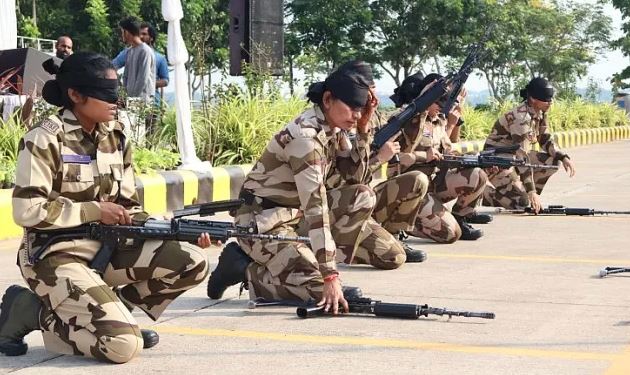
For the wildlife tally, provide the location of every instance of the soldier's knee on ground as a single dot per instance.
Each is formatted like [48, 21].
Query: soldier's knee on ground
[121, 348]
[396, 257]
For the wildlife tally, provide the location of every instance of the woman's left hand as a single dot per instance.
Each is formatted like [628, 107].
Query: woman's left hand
[363, 125]
[568, 166]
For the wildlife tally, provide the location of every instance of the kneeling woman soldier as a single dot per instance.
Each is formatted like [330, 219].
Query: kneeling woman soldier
[287, 184]
[75, 168]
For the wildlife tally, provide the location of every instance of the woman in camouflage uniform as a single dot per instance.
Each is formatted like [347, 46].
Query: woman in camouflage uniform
[287, 185]
[423, 140]
[525, 126]
[75, 168]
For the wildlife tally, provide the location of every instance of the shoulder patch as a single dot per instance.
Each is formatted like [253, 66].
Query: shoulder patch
[50, 126]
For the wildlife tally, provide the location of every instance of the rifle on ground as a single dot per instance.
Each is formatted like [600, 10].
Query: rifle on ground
[613, 270]
[439, 91]
[369, 306]
[559, 210]
[112, 236]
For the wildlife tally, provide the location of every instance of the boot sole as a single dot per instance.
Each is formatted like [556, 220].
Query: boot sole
[14, 348]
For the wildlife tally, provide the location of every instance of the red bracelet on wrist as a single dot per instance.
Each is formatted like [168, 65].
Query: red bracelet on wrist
[330, 278]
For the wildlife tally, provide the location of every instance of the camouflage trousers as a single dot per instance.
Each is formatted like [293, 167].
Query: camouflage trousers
[397, 204]
[506, 188]
[434, 220]
[81, 313]
[289, 270]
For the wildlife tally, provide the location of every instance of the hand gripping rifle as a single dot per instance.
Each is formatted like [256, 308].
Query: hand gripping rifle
[369, 306]
[176, 229]
[423, 101]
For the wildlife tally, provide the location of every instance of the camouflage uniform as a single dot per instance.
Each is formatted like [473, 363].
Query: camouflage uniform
[286, 183]
[466, 185]
[397, 204]
[62, 174]
[521, 126]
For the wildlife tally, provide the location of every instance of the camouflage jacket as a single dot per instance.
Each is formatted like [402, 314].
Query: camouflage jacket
[334, 179]
[291, 172]
[524, 127]
[63, 173]
[419, 136]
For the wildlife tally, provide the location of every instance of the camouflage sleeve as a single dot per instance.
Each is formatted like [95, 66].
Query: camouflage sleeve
[353, 165]
[35, 203]
[547, 143]
[307, 161]
[519, 138]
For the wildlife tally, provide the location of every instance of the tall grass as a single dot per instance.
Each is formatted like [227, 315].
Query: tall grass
[11, 132]
[240, 126]
[564, 115]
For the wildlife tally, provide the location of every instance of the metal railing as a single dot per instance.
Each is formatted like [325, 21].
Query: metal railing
[37, 43]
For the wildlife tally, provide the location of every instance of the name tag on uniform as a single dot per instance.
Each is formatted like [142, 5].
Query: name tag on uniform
[76, 159]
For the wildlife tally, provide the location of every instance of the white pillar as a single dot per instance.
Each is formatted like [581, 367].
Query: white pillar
[178, 56]
[8, 25]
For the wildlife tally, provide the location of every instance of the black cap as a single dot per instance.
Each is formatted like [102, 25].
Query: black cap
[359, 67]
[538, 88]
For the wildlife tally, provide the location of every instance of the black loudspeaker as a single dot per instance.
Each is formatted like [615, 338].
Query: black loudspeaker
[256, 35]
[30, 76]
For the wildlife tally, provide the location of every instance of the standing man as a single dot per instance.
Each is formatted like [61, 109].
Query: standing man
[140, 66]
[63, 47]
[148, 35]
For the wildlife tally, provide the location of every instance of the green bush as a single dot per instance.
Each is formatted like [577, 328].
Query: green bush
[146, 160]
[564, 115]
[11, 132]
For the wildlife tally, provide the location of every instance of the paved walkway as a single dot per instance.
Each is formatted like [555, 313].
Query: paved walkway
[538, 274]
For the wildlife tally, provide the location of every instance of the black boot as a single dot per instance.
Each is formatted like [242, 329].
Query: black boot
[19, 315]
[477, 218]
[230, 271]
[414, 255]
[468, 232]
[150, 337]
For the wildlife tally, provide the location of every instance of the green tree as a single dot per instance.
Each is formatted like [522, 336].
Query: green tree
[620, 79]
[330, 31]
[574, 35]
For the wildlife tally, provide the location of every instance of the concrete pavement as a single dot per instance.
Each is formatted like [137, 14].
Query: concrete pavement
[538, 274]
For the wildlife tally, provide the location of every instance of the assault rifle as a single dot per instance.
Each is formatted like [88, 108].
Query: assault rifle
[420, 104]
[474, 56]
[369, 306]
[559, 210]
[482, 161]
[111, 236]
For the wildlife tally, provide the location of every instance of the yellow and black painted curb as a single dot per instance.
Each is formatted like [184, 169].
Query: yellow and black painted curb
[163, 192]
